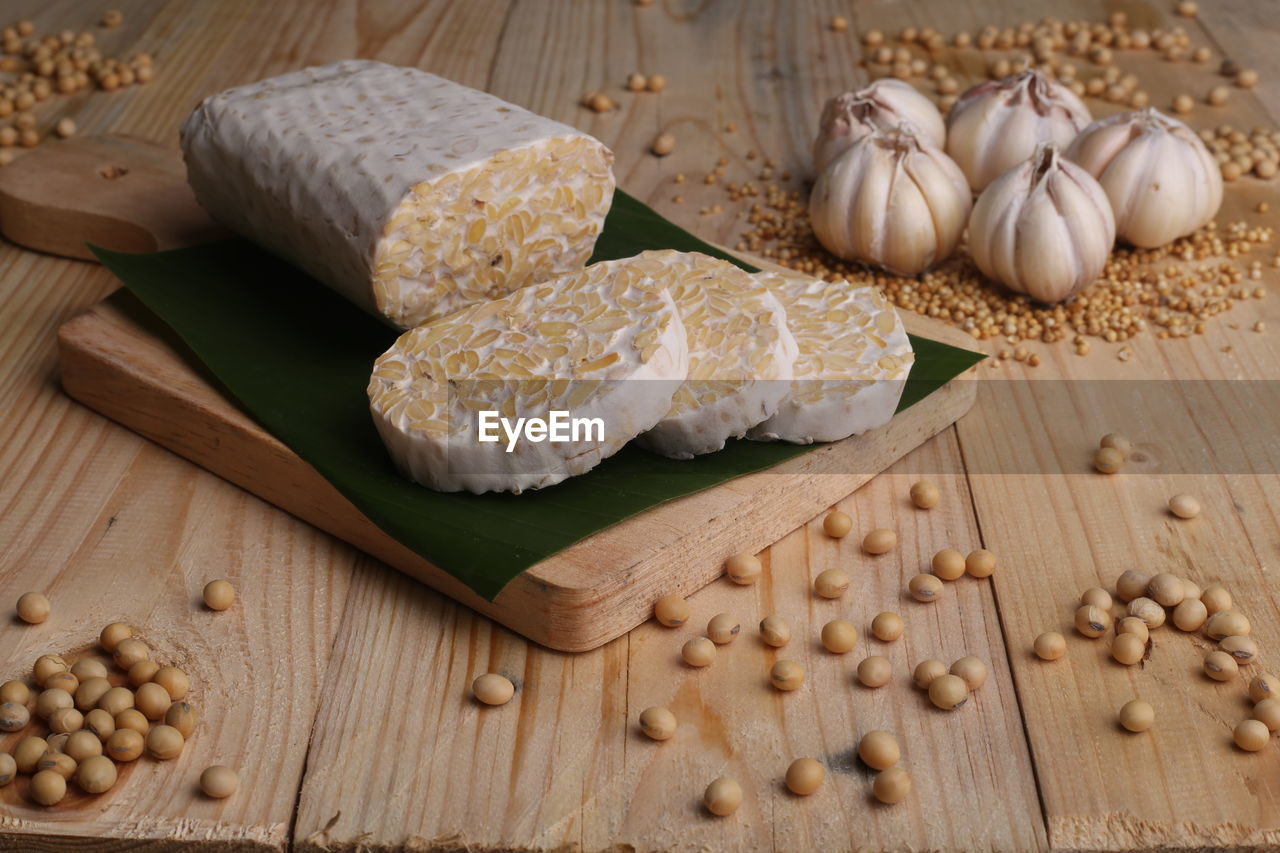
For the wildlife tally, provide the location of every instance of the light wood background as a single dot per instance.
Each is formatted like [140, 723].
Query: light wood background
[339, 688]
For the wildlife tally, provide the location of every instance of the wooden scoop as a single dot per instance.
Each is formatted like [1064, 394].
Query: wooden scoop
[114, 191]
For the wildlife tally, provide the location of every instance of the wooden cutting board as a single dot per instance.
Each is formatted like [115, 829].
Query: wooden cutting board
[130, 196]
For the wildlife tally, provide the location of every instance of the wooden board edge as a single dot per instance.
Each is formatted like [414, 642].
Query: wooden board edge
[783, 498]
[111, 190]
[1123, 831]
[166, 401]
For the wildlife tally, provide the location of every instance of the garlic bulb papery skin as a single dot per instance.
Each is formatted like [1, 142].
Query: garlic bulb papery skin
[884, 104]
[1043, 228]
[997, 125]
[1162, 181]
[891, 200]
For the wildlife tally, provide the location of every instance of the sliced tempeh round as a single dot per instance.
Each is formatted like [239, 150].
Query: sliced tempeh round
[604, 343]
[740, 354]
[407, 193]
[853, 363]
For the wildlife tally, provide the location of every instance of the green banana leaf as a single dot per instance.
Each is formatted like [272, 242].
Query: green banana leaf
[296, 357]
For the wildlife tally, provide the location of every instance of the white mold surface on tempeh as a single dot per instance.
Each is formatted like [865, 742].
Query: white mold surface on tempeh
[410, 194]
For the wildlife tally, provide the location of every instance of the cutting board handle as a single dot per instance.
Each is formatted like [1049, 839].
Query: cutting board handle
[118, 192]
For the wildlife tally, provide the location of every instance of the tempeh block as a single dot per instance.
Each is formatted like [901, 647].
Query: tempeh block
[410, 194]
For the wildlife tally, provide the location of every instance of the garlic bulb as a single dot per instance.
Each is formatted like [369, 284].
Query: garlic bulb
[891, 200]
[1043, 228]
[997, 125]
[1162, 181]
[885, 103]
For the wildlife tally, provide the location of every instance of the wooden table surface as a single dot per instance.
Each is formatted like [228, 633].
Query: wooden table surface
[339, 689]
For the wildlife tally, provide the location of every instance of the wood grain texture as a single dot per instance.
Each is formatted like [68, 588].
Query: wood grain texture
[256, 672]
[575, 771]
[1027, 445]
[112, 527]
[563, 765]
